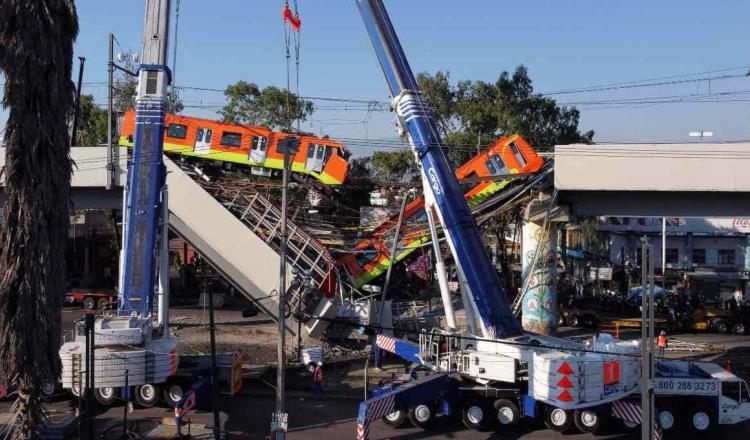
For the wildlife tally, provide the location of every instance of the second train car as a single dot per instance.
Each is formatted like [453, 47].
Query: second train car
[324, 159]
[371, 258]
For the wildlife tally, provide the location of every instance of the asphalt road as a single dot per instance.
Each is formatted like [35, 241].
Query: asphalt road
[329, 419]
[335, 418]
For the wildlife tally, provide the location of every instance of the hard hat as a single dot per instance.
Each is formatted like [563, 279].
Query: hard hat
[320, 364]
[663, 333]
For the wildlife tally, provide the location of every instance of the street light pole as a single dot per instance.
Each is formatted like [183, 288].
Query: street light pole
[288, 147]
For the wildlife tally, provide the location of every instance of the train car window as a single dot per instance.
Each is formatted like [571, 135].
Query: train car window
[259, 143]
[177, 131]
[516, 152]
[491, 166]
[496, 165]
[366, 258]
[311, 150]
[231, 139]
[209, 134]
[321, 151]
[329, 152]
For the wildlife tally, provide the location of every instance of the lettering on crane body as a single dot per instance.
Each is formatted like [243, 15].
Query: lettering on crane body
[434, 182]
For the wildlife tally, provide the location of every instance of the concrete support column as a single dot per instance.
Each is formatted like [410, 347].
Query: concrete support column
[747, 265]
[539, 305]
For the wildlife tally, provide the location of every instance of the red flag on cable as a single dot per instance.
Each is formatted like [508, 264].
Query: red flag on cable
[290, 18]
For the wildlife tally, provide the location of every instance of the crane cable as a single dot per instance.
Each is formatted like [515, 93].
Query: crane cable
[292, 27]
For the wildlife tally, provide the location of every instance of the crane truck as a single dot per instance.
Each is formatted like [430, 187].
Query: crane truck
[130, 348]
[494, 371]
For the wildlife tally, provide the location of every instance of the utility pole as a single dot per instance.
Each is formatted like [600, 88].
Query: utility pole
[77, 110]
[288, 147]
[110, 112]
[174, 45]
[214, 378]
[647, 340]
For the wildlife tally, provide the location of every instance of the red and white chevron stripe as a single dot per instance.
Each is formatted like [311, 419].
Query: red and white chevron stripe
[386, 343]
[628, 411]
[363, 431]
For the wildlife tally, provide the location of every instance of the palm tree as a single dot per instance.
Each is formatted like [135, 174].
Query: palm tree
[36, 56]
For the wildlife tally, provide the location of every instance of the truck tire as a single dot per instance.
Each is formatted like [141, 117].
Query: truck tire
[721, 327]
[422, 416]
[146, 395]
[172, 394]
[574, 321]
[739, 328]
[106, 396]
[474, 414]
[667, 418]
[506, 412]
[701, 418]
[587, 420]
[102, 303]
[395, 419]
[558, 420]
[89, 303]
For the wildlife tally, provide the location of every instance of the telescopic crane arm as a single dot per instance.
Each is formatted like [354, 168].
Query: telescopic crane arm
[487, 307]
[146, 177]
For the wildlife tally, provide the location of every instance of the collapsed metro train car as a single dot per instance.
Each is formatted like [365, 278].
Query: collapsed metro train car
[324, 159]
[509, 155]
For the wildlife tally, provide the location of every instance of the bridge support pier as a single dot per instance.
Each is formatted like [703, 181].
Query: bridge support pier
[539, 263]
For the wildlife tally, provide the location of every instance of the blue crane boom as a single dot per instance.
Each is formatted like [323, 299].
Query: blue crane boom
[146, 176]
[488, 302]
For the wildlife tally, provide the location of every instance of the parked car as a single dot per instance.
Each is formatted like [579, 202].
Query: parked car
[91, 298]
[578, 317]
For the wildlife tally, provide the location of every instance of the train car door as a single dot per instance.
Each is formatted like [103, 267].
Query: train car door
[203, 140]
[258, 149]
[315, 155]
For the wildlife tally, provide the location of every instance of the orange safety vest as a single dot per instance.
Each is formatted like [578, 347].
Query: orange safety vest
[662, 341]
[318, 375]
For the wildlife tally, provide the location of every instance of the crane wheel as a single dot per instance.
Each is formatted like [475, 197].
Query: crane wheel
[106, 396]
[395, 419]
[667, 419]
[172, 395]
[507, 412]
[701, 418]
[422, 416]
[474, 414]
[146, 395]
[587, 420]
[558, 420]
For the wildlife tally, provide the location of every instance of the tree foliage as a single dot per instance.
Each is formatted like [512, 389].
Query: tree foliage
[478, 111]
[272, 107]
[36, 56]
[92, 123]
[396, 165]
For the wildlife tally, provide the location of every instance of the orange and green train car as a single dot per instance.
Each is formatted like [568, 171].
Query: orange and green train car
[324, 159]
[509, 155]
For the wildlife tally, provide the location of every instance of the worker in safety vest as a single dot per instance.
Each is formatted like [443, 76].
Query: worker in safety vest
[318, 378]
[661, 343]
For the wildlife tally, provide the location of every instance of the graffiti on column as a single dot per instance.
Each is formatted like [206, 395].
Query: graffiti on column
[539, 304]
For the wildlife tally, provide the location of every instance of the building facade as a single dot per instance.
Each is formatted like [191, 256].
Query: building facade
[707, 257]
